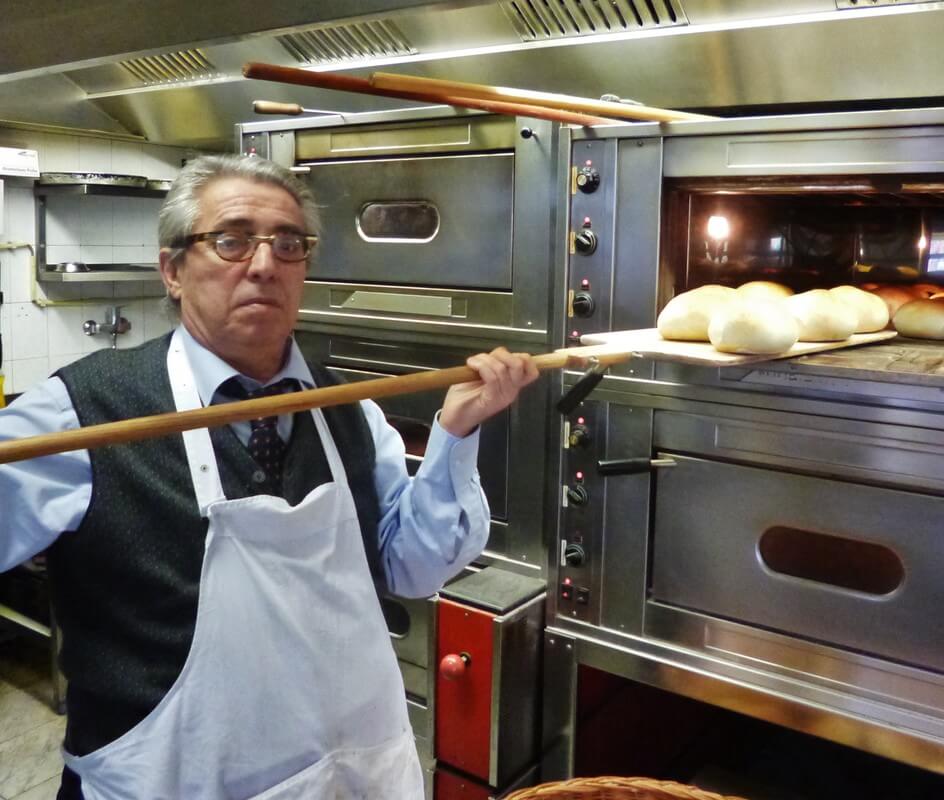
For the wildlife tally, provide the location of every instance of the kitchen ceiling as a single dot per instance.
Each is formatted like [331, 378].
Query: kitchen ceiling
[173, 75]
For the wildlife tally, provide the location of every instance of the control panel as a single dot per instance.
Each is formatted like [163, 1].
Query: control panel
[581, 511]
[591, 247]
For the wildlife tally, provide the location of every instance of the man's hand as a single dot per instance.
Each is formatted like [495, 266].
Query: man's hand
[501, 376]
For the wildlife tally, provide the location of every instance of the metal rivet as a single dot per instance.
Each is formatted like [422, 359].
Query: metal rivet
[204, 468]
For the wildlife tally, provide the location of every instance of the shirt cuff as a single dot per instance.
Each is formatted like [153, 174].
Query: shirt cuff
[450, 455]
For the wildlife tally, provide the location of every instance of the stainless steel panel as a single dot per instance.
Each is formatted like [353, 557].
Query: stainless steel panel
[709, 518]
[399, 303]
[807, 153]
[469, 134]
[472, 248]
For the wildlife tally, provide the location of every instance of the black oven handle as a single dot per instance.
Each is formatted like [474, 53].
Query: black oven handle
[633, 466]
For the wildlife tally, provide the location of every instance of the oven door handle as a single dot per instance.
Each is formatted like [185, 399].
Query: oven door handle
[633, 466]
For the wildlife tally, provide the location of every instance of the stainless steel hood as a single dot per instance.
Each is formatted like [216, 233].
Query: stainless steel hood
[171, 73]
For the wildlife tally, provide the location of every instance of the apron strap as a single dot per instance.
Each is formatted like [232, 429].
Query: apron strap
[200, 456]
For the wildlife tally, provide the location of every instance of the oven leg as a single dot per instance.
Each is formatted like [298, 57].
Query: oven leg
[560, 706]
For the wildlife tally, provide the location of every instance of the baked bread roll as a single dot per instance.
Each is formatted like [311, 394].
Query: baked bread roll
[759, 327]
[821, 317]
[894, 296]
[686, 316]
[921, 319]
[870, 309]
[763, 290]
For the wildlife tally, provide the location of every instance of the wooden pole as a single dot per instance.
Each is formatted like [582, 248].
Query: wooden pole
[346, 83]
[408, 83]
[151, 427]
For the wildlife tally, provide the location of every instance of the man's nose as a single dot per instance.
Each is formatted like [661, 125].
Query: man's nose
[263, 259]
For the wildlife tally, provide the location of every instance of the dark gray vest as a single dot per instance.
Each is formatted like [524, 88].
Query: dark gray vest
[126, 583]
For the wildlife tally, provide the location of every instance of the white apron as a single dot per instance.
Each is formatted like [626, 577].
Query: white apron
[291, 689]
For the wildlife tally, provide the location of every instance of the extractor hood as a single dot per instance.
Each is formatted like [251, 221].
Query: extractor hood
[171, 72]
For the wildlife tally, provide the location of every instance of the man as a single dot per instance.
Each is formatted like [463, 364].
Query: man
[222, 636]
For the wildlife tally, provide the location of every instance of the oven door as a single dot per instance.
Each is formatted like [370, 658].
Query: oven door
[512, 444]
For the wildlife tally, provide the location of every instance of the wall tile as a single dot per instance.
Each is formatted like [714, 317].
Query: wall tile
[17, 266]
[156, 320]
[63, 220]
[97, 216]
[58, 362]
[8, 369]
[97, 254]
[28, 322]
[59, 153]
[28, 372]
[126, 158]
[20, 216]
[94, 292]
[161, 162]
[94, 155]
[64, 328]
[58, 253]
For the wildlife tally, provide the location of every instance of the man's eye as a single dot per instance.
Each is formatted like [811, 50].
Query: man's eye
[231, 242]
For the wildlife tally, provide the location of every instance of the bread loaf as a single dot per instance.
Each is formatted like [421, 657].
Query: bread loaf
[763, 290]
[686, 316]
[894, 297]
[757, 327]
[921, 319]
[821, 317]
[871, 311]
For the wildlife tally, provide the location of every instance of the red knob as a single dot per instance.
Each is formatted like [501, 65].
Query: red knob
[452, 667]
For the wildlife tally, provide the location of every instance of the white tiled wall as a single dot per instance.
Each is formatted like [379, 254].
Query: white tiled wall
[38, 340]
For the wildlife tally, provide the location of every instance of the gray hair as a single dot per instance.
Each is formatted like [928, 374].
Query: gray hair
[181, 207]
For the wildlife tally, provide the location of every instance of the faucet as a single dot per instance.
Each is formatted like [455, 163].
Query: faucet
[114, 324]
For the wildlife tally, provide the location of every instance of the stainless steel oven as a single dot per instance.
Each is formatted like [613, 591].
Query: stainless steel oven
[434, 220]
[765, 539]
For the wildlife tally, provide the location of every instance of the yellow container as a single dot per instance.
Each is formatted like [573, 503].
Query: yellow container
[3, 401]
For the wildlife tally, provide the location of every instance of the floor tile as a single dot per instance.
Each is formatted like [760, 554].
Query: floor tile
[20, 712]
[31, 759]
[47, 790]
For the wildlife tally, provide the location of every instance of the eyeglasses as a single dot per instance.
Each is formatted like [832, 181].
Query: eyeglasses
[235, 246]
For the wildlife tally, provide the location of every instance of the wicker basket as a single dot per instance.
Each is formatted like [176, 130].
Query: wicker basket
[614, 788]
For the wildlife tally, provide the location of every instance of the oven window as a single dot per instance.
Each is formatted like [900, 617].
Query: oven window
[806, 237]
[398, 221]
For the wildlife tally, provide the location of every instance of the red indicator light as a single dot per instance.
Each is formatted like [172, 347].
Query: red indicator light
[579, 476]
[567, 581]
[580, 420]
[588, 162]
[585, 284]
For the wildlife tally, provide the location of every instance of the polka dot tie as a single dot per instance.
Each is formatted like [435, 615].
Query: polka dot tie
[265, 445]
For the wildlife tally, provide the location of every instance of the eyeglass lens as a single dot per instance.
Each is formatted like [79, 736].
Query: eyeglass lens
[285, 246]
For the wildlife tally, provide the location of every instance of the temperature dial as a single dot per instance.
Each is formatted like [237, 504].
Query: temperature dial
[583, 304]
[577, 495]
[588, 180]
[574, 555]
[585, 242]
[579, 435]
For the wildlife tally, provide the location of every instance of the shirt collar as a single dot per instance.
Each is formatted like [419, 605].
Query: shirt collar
[210, 371]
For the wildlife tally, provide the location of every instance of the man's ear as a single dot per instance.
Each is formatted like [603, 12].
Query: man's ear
[169, 272]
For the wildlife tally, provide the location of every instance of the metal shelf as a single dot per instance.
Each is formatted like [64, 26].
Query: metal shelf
[105, 272]
[44, 189]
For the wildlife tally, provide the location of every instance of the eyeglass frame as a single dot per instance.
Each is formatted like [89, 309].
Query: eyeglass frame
[254, 241]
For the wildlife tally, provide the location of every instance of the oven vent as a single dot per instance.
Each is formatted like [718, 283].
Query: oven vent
[354, 42]
[182, 65]
[536, 20]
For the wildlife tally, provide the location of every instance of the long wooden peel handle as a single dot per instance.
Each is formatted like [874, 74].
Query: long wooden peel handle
[271, 107]
[410, 83]
[346, 83]
[226, 413]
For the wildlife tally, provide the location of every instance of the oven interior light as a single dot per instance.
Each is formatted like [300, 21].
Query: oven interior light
[922, 242]
[718, 227]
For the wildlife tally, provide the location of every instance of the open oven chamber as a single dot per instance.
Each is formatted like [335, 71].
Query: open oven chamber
[763, 539]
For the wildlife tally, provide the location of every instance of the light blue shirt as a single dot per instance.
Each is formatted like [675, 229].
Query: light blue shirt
[430, 527]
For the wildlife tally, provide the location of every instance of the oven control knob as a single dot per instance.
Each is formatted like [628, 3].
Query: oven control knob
[584, 304]
[588, 180]
[574, 555]
[585, 242]
[579, 435]
[577, 495]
